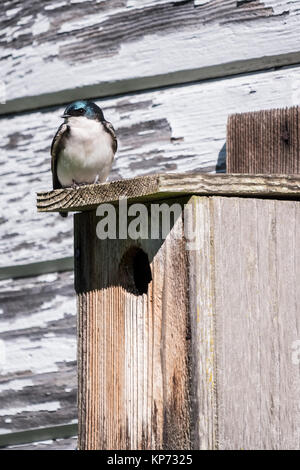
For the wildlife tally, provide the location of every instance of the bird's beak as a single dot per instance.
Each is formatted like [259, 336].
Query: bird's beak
[65, 115]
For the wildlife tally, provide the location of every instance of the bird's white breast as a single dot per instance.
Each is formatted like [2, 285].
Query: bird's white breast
[87, 154]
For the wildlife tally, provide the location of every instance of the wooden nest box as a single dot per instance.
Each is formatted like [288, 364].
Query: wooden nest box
[190, 339]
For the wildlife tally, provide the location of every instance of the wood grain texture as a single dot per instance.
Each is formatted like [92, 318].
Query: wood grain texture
[199, 234]
[264, 142]
[257, 320]
[223, 311]
[179, 129]
[132, 348]
[38, 380]
[169, 185]
[59, 51]
[244, 309]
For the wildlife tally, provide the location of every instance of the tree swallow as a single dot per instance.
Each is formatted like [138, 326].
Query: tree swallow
[83, 148]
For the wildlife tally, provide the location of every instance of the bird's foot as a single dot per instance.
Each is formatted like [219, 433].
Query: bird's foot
[77, 185]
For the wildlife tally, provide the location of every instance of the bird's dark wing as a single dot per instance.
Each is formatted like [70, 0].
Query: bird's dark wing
[56, 146]
[109, 128]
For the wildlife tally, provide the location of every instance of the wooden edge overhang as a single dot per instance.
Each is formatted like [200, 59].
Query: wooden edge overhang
[164, 186]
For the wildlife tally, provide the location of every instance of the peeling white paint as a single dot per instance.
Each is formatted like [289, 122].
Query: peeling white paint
[54, 310]
[3, 430]
[49, 335]
[89, 20]
[201, 2]
[50, 277]
[45, 355]
[79, 23]
[32, 282]
[41, 24]
[257, 39]
[13, 11]
[146, 132]
[48, 441]
[280, 6]
[80, 1]
[140, 4]
[2, 355]
[54, 6]
[24, 20]
[47, 406]
[16, 385]
[197, 115]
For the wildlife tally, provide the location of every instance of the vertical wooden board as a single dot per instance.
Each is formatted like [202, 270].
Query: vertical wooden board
[133, 349]
[268, 302]
[256, 314]
[237, 338]
[200, 253]
[287, 254]
[265, 141]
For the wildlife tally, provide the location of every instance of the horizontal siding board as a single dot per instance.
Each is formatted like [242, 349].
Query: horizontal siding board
[177, 129]
[38, 378]
[50, 444]
[39, 435]
[63, 50]
[34, 269]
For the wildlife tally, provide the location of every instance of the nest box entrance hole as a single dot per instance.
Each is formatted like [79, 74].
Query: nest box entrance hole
[135, 271]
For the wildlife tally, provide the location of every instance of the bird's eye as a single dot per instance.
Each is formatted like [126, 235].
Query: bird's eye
[81, 110]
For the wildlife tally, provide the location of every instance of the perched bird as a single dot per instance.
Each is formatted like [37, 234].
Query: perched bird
[83, 148]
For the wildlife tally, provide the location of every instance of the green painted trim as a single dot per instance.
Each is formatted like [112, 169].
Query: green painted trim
[39, 434]
[35, 269]
[132, 85]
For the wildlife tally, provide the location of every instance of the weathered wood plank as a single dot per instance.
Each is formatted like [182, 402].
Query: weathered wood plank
[257, 321]
[180, 129]
[133, 344]
[199, 233]
[244, 313]
[264, 142]
[238, 281]
[60, 51]
[288, 327]
[169, 185]
[38, 379]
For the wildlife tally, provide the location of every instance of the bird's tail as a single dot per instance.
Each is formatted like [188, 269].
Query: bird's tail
[64, 214]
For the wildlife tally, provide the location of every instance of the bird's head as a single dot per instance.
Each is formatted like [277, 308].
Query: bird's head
[84, 108]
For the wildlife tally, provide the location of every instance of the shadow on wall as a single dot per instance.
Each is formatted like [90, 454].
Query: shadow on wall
[221, 163]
